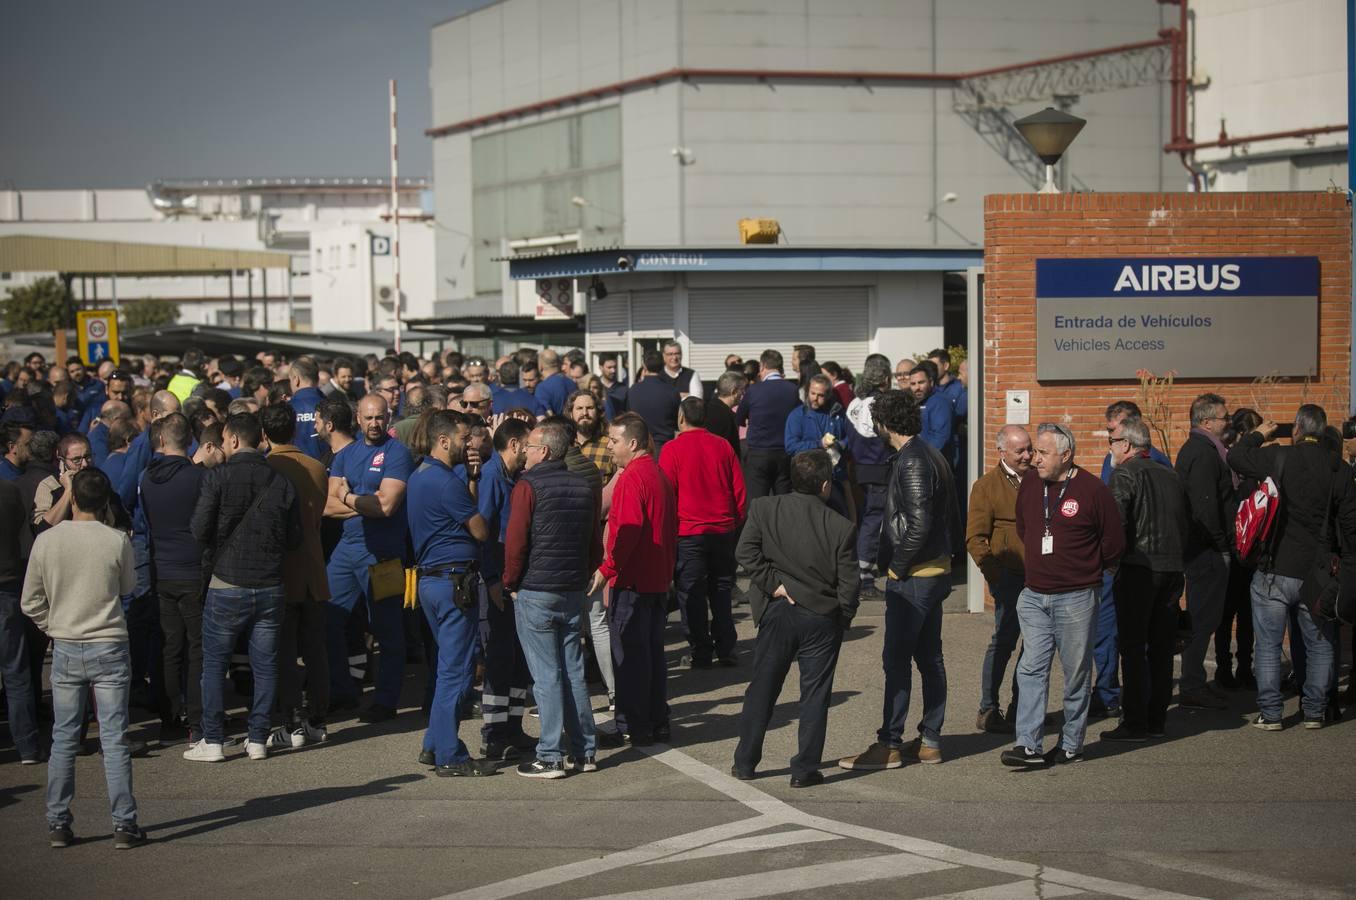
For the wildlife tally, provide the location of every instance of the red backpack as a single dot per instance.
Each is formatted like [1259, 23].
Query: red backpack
[1255, 524]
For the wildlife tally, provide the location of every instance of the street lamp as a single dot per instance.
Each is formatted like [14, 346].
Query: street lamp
[1050, 132]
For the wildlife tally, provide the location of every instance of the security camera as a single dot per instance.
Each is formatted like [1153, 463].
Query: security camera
[624, 263]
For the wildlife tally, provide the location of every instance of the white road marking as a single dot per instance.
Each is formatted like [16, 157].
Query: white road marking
[757, 842]
[1017, 890]
[1264, 886]
[784, 881]
[773, 812]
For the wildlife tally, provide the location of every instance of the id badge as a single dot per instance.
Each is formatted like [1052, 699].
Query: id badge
[1047, 545]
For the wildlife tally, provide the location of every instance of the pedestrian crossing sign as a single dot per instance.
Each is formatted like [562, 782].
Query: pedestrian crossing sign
[97, 335]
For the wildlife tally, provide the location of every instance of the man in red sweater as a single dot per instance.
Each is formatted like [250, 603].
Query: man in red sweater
[1070, 528]
[709, 483]
[642, 534]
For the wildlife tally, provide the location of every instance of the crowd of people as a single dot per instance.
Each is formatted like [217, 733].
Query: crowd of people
[297, 528]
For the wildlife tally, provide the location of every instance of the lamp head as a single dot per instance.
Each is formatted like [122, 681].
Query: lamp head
[1050, 132]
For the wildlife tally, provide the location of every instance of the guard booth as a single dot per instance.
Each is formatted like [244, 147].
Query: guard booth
[846, 302]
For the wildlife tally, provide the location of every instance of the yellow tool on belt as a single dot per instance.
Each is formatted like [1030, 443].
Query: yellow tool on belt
[411, 588]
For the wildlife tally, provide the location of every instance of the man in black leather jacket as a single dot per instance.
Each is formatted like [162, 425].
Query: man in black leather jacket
[921, 526]
[1149, 581]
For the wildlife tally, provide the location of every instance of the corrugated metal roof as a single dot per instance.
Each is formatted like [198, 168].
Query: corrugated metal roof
[31, 253]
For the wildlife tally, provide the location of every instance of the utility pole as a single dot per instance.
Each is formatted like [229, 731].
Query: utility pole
[395, 214]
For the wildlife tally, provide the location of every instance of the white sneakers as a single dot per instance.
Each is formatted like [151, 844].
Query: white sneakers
[201, 751]
[256, 749]
[306, 733]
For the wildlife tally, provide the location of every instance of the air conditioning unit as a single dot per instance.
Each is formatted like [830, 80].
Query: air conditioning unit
[386, 294]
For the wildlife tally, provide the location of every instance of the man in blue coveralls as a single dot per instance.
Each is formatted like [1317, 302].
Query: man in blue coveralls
[504, 691]
[368, 478]
[446, 529]
[303, 375]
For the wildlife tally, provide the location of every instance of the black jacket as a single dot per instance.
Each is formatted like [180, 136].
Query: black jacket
[253, 557]
[922, 521]
[1154, 512]
[1313, 477]
[656, 401]
[27, 483]
[13, 560]
[1211, 499]
[169, 490]
[796, 540]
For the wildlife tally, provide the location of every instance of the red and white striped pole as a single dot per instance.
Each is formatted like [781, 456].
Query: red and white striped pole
[395, 214]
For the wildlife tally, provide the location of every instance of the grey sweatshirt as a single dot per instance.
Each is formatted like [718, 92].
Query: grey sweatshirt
[77, 574]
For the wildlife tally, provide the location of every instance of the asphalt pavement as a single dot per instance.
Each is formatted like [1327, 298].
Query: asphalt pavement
[1216, 809]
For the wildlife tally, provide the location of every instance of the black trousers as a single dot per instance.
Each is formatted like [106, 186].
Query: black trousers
[636, 622]
[303, 634]
[704, 576]
[181, 624]
[766, 472]
[1237, 607]
[504, 688]
[1146, 623]
[789, 633]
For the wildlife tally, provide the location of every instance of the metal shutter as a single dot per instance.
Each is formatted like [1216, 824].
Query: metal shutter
[607, 319]
[748, 321]
[652, 312]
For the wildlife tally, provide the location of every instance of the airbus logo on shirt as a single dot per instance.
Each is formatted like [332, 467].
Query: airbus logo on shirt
[1070, 508]
[377, 462]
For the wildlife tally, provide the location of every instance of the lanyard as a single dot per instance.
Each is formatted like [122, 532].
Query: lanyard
[1045, 497]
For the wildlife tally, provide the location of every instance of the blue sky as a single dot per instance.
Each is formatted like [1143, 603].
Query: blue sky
[117, 94]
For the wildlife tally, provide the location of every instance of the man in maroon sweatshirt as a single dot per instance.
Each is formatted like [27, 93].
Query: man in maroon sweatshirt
[638, 557]
[1071, 533]
[709, 486]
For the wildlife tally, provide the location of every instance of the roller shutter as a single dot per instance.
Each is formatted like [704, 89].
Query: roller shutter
[748, 321]
[607, 320]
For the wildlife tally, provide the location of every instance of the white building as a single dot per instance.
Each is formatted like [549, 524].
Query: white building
[1269, 94]
[277, 214]
[576, 123]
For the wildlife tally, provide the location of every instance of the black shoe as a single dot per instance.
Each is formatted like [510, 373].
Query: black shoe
[523, 742]
[426, 758]
[809, 779]
[1102, 711]
[1059, 756]
[1225, 679]
[343, 705]
[1023, 758]
[687, 661]
[741, 774]
[608, 739]
[376, 713]
[467, 768]
[126, 837]
[1125, 734]
[60, 836]
[730, 661]
[869, 592]
[173, 733]
[588, 763]
[662, 734]
[640, 739]
[500, 752]
[540, 768]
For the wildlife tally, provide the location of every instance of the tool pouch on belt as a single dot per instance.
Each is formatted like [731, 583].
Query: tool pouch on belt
[465, 578]
[388, 579]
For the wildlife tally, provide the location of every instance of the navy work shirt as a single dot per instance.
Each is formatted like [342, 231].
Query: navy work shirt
[364, 465]
[439, 505]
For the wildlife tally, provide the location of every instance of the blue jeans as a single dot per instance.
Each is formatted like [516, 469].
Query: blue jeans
[349, 583]
[455, 633]
[76, 668]
[1063, 622]
[1104, 653]
[228, 613]
[549, 626]
[1006, 631]
[1273, 597]
[14, 668]
[913, 633]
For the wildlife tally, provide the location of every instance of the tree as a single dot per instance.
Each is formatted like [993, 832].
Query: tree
[40, 306]
[146, 313]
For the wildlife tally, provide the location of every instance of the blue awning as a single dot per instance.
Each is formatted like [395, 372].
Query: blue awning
[748, 258]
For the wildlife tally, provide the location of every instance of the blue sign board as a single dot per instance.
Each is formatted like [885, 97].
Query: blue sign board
[1198, 317]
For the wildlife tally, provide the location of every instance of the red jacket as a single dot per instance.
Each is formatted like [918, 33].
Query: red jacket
[708, 481]
[642, 529]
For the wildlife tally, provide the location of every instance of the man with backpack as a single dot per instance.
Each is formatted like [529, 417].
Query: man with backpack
[1211, 504]
[1314, 496]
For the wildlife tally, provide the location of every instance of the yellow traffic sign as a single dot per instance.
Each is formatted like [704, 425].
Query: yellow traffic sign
[97, 333]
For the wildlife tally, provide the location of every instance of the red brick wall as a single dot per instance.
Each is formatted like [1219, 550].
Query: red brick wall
[1019, 228]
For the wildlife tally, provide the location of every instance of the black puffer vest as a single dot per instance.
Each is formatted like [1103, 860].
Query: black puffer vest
[562, 527]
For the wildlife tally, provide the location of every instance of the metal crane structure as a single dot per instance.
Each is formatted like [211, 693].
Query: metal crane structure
[983, 99]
